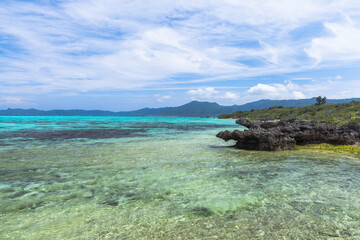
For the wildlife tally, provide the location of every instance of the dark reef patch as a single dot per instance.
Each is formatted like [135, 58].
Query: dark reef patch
[74, 133]
[99, 130]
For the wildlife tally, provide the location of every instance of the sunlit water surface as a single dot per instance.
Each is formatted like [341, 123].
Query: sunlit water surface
[166, 178]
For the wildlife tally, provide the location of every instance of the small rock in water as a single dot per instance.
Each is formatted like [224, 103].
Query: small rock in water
[111, 202]
[31, 205]
[38, 204]
[87, 195]
[129, 195]
[203, 211]
[231, 217]
[18, 194]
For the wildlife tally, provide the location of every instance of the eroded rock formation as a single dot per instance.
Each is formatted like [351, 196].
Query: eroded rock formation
[273, 135]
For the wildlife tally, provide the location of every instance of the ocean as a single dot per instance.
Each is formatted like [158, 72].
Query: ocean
[166, 178]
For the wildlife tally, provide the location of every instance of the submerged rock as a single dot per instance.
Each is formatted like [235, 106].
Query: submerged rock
[202, 211]
[112, 202]
[274, 135]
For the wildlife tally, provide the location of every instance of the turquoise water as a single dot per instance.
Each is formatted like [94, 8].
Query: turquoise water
[166, 178]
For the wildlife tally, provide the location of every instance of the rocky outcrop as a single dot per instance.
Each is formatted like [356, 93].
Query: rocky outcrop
[259, 139]
[273, 135]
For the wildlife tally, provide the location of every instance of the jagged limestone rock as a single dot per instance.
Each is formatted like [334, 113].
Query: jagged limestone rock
[274, 135]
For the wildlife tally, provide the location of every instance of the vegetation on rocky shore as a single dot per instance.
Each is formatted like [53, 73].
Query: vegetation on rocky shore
[354, 150]
[340, 114]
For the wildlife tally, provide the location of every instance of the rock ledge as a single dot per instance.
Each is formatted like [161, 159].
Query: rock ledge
[274, 135]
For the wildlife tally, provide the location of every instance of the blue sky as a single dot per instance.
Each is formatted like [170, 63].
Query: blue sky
[125, 55]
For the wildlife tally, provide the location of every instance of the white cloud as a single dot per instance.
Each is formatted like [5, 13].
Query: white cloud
[335, 89]
[210, 93]
[230, 95]
[10, 101]
[278, 12]
[341, 45]
[160, 98]
[277, 91]
[90, 45]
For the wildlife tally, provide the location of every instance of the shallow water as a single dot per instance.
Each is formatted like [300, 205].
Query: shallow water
[166, 178]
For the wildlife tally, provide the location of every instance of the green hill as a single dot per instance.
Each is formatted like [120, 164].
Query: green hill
[341, 114]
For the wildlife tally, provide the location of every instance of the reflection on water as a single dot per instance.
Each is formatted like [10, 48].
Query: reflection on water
[170, 186]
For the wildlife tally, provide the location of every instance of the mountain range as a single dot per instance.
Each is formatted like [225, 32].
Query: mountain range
[192, 109]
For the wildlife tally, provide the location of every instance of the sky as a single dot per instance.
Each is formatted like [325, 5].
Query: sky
[129, 54]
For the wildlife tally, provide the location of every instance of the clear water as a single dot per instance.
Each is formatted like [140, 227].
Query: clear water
[166, 178]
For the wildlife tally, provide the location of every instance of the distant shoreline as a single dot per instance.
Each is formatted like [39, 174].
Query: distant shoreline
[232, 119]
[191, 109]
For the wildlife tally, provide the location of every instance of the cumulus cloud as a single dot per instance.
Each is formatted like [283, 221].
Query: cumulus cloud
[333, 88]
[210, 93]
[277, 91]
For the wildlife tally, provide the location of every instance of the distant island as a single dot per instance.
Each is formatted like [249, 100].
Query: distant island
[192, 109]
[279, 128]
